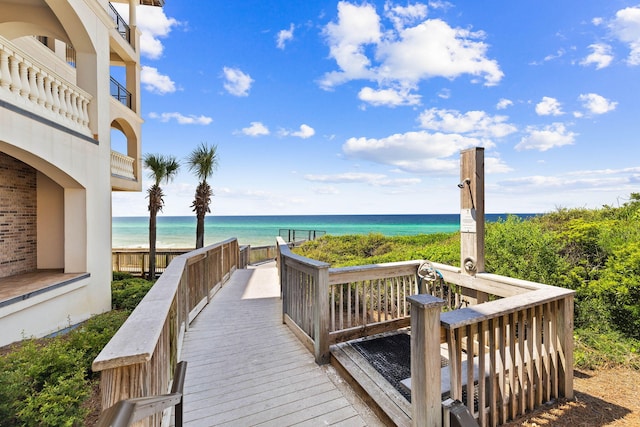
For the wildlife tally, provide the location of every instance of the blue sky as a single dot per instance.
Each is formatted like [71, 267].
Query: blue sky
[326, 107]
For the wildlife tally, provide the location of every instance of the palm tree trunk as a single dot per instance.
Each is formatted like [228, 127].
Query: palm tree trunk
[200, 230]
[152, 245]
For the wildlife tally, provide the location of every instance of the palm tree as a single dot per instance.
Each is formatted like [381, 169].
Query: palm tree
[202, 161]
[161, 168]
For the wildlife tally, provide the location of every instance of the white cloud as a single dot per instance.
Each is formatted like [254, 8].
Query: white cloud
[378, 180]
[549, 107]
[474, 123]
[559, 54]
[182, 119]
[402, 57]
[600, 56]
[357, 27]
[495, 165]
[418, 152]
[444, 93]
[304, 132]
[155, 82]
[284, 36]
[153, 25]
[504, 103]
[256, 129]
[236, 82]
[325, 189]
[402, 16]
[554, 135]
[389, 97]
[618, 180]
[626, 27]
[597, 104]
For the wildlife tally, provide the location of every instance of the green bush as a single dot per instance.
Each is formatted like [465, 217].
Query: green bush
[619, 289]
[121, 275]
[91, 337]
[42, 385]
[522, 249]
[127, 293]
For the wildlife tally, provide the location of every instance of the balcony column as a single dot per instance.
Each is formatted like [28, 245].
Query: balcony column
[133, 85]
[15, 74]
[24, 80]
[133, 24]
[48, 90]
[33, 87]
[55, 97]
[5, 73]
[67, 102]
[42, 95]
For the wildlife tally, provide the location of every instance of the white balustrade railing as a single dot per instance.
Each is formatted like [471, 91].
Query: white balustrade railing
[30, 85]
[122, 165]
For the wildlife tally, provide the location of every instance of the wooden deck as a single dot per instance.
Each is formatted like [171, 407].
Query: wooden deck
[246, 368]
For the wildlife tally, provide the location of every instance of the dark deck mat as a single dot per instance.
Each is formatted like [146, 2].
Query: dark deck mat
[391, 356]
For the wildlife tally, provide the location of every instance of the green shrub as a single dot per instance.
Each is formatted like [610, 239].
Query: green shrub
[127, 293]
[619, 289]
[91, 337]
[522, 249]
[597, 348]
[42, 385]
[121, 275]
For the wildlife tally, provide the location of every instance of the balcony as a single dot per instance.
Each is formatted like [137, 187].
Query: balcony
[120, 93]
[122, 166]
[29, 87]
[121, 25]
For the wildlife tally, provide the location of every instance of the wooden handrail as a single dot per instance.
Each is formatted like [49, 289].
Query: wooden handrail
[126, 412]
[141, 357]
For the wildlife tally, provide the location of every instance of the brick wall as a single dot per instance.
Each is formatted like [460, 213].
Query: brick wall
[18, 195]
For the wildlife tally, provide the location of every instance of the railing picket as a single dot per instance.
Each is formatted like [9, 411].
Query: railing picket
[482, 374]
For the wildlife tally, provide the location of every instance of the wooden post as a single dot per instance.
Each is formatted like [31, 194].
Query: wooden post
[565, 341]
[425, 360]
[472, 210]
[472, 217]
[321, 316]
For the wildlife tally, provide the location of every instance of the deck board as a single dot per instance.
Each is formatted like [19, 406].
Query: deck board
[246, 368]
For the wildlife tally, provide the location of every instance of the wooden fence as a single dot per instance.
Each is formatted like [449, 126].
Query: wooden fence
[141, 357]
[136, 261]
[511, 339]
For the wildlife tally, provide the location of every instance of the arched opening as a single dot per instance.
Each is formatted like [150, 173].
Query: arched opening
[42, 216]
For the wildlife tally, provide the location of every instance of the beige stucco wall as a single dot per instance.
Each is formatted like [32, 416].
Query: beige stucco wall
[74, 194]
[50, 223]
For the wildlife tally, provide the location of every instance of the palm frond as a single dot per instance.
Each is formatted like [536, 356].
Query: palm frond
[203, 160]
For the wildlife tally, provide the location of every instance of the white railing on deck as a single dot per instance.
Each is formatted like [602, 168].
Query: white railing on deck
[34, 87]
[122, 165]
[141, 357]
[520, 343]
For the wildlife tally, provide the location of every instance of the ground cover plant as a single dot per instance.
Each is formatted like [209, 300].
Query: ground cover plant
[49, 381]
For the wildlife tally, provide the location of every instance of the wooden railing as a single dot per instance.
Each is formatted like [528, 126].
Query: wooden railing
[305, 299]
[370, 299]
[515, 335]
[141, 357]
[136, 261]
[517, 350]
[33, 86]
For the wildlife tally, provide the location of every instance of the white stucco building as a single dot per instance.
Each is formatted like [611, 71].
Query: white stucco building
[59, 107]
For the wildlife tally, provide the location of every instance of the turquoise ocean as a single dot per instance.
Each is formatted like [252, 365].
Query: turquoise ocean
[179, 231]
